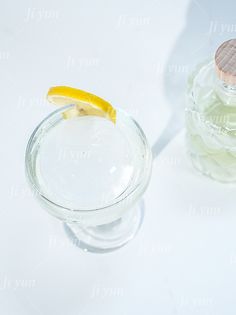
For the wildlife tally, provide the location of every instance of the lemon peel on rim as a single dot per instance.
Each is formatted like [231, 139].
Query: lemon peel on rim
[85, 103]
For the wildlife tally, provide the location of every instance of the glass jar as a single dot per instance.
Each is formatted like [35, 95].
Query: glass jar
[211, 115]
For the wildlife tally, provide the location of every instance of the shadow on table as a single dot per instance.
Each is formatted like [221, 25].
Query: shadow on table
[208, 24]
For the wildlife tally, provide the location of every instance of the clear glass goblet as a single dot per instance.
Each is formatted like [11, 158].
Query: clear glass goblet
[91, 174]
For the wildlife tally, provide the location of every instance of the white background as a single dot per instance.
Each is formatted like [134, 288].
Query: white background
[137, 55]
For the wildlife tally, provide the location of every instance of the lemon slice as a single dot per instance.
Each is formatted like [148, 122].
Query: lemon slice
[86, 103]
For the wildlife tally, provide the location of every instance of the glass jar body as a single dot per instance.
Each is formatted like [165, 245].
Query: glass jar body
[211, 124]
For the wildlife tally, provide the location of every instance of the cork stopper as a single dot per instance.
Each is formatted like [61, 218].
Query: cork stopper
[225, 62]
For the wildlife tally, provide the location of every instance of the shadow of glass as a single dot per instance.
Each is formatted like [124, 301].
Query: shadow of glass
[208, 24]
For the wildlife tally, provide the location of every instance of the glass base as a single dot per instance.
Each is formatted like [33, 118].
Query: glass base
[210, 168]
[107, 237]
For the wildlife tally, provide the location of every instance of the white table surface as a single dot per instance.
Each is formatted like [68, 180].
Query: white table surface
[137, 55]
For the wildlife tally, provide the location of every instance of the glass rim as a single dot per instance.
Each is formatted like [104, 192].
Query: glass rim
[139, 188]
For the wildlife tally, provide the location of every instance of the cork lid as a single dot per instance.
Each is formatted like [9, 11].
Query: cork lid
[225, 62]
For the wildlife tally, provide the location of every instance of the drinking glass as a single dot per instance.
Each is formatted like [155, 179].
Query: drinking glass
[91, 174]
